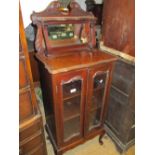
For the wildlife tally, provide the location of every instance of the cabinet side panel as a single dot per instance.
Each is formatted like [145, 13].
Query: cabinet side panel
[46, 86]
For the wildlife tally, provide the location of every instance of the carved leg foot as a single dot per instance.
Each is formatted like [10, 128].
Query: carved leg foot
[100, 138]
[58, 152]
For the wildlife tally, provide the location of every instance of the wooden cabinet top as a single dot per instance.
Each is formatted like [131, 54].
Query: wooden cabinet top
[73, 61]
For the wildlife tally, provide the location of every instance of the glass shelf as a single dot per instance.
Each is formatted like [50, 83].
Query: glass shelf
[94, 108]
[94, 120]
[71, 128]
[97, 100]
[99, 88]
[71, 108]
[71, 96]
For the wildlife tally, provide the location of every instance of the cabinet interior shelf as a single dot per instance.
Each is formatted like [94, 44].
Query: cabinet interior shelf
[94, 118]
[95, 108]
[71, 108]
[68, 118]
[99, 88]
[71, 128]
[69, 96]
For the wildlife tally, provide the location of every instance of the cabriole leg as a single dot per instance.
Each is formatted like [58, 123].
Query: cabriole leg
[100, 138]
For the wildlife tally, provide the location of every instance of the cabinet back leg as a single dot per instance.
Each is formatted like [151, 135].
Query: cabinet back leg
[58, 152]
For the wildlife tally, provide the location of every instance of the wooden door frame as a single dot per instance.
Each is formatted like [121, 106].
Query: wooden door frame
[58, 78]
[91, 73]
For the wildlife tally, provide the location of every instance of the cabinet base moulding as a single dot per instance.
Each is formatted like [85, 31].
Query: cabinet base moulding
[60, 151]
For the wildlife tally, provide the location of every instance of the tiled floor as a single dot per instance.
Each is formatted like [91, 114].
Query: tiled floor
[91, 147]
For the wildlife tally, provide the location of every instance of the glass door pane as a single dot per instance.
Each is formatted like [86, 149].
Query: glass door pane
[99, 84]
[71, 108]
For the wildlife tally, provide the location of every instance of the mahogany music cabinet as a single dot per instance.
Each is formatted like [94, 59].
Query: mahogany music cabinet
[75, 77]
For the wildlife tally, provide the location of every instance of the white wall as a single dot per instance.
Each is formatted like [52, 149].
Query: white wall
[82, 4]
[28, 6]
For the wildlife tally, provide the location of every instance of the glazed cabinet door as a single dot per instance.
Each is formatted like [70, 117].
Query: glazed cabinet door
[98, 83]
[71, 92]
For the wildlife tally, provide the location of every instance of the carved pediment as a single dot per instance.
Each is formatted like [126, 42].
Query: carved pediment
[53, 12]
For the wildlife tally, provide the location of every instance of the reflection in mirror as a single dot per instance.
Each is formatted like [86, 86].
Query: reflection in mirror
[67, 34]
[62, 31]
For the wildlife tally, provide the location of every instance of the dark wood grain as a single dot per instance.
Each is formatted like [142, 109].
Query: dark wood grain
[31, 133]
[34, 67]
[120, 118]
[119, 25]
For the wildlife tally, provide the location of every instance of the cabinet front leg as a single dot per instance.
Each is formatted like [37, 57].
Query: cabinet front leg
[100, 138]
